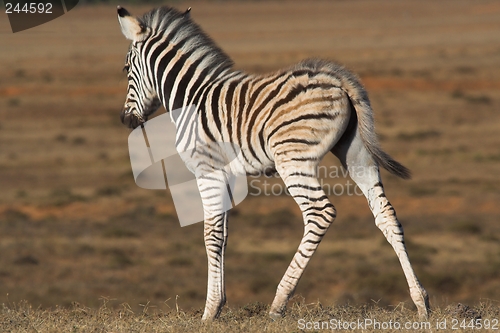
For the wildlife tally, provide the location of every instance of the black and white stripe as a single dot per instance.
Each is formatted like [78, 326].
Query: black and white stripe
[286, 120]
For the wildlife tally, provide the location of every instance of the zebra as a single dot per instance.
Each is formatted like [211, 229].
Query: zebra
[287, 120]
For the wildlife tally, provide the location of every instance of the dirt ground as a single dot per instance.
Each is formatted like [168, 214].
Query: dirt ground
[74, 227]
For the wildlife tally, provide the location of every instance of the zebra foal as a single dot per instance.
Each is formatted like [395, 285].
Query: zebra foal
[286, 120]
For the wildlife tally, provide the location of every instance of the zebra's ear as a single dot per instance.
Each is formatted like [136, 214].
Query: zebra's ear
[132, 29]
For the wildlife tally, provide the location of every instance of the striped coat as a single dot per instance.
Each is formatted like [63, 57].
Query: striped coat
[287, 121]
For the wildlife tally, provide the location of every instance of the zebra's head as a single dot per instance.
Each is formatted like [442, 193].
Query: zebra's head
[142, 100]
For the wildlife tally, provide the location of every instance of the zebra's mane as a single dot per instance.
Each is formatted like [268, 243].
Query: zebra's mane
[169, 20]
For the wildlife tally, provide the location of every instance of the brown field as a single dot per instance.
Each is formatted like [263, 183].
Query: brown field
[75, 230]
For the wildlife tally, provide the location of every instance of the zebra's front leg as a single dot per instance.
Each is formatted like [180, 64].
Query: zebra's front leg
[215, 244]
[216, 202]
[318, 214]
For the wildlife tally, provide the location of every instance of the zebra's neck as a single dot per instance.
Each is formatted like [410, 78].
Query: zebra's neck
[184, 78]
[181, 58]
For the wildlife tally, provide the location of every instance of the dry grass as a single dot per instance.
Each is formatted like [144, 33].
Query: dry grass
[75, 228]
[251, 318]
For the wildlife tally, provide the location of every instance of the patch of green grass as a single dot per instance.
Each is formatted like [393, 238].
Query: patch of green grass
[434, 152]
[15, 215]
[466, 227]
[26, 260]
[457, 94]
[14, 102]
[275, 220]
[465, 69]
[117, 232]
[21, 194]
[418, 135]
[472, 99]
[61, 138]
[445, 282]
[479, 99]
[20, 73]
[181, 261]
[119, 259]
[261, 284]
[79, 141]
[47, 77]
[421, 191]
[420, 254]
[487, 158]
[273, 256]
[108, 191]
[64, 196]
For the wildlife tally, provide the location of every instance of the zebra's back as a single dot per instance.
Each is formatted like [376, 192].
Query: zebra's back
[292, 113]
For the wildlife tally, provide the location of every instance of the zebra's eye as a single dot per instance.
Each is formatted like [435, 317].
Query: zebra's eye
[126, 68]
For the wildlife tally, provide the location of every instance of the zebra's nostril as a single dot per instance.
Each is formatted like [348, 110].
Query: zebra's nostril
[131, 119]
[126, 116]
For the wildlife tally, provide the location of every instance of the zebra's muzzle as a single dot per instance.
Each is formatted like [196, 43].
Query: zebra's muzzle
[131, 119]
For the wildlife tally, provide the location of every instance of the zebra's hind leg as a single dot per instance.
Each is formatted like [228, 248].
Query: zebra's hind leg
[387, 222]
[318, 214]
[365, 172]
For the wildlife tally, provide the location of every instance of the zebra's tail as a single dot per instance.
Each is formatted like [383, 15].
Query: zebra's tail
[359, 99]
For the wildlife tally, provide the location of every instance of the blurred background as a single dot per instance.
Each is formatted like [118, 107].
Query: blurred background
[74, 227]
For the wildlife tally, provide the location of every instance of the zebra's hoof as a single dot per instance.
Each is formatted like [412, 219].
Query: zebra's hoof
[275, 316]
